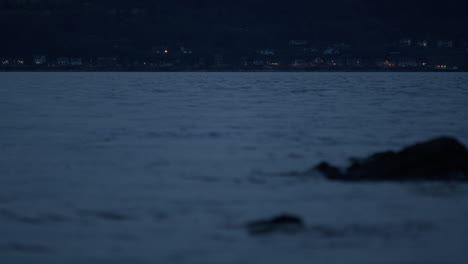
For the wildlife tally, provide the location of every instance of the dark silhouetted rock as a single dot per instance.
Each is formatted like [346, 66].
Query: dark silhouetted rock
[327, 169]
[440, 159]
[286, 224]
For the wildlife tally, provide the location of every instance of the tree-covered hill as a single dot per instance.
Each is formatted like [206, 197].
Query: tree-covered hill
[89, 27]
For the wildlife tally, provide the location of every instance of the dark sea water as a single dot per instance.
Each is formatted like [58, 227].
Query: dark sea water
[168, 167]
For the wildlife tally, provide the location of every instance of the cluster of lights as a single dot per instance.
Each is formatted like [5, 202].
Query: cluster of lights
[389, 64]
[441, 66]
[5, 61]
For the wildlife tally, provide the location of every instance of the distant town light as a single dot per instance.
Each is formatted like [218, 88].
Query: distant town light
[166, 51]
[389, 64]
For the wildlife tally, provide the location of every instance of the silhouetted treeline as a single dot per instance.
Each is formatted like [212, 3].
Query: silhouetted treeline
[119, 27]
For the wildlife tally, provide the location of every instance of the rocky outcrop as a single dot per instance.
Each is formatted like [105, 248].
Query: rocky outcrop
[440, 159]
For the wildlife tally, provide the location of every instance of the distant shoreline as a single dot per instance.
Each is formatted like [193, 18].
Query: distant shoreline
[217, 69]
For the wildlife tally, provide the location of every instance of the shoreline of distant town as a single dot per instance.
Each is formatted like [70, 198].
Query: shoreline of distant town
[404, 55]
[222, 69]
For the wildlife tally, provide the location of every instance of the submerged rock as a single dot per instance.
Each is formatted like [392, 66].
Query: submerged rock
[286, 224]
[440, 159]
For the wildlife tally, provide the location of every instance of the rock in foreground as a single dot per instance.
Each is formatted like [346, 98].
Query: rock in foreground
[286, 224]
[440, 159]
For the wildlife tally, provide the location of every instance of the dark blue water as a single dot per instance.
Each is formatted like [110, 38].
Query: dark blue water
[166, 167]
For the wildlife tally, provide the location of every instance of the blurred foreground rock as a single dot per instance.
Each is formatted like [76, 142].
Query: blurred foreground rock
[440, 159]
[286, 224]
